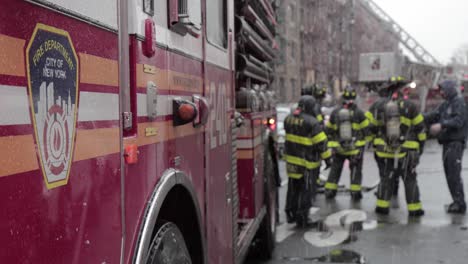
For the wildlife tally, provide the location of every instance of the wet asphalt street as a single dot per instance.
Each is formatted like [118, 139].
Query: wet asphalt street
[437, 237]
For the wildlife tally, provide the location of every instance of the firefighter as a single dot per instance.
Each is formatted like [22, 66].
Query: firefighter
[450, 125]
[314, 91]
[399, 136]
[305, 148]
[346, 131]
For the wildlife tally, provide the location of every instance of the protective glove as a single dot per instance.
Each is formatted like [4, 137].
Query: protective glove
[421, 148]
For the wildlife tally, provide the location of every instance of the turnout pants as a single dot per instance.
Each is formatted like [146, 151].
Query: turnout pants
[452, 158]
[355, 166]
[390, 170]
[396, 185]
[300, 194]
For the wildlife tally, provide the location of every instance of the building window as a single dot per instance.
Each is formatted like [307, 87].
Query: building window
[216, 22]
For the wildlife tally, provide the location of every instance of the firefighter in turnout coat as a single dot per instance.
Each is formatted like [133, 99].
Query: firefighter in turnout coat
[347, 131]
[305, 148]
[398, 131]
[318, 94]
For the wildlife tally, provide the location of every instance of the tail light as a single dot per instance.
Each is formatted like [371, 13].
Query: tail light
[271, 122]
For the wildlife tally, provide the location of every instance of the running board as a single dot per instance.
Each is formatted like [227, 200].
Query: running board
[247, 233]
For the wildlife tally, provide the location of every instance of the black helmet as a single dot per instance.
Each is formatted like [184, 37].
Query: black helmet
[393, 85]
[307, 104]
[320, 91]
[396, 83]
[349, 93]
[308, 89]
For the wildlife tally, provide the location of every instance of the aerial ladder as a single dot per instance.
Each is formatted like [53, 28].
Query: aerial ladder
[426, 70]
[417, 50]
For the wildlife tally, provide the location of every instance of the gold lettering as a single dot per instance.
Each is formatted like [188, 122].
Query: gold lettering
[38, 55]
[54, 45]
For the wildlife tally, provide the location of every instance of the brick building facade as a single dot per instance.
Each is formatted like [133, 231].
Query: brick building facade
[320, 42]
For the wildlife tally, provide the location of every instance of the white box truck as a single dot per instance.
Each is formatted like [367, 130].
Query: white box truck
[380, 66]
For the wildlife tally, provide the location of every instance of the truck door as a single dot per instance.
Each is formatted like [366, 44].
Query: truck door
[218, 90]
[59, 127]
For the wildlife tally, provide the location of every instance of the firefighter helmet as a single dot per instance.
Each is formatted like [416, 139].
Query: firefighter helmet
[320, 91]
[349, 93]
[393, 85]
[307, 104]
[308, 89]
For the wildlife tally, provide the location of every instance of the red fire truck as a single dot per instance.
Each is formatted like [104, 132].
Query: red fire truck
[118, 131]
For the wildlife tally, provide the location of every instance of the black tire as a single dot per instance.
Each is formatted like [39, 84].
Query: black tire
[264, 242]
[168, 246]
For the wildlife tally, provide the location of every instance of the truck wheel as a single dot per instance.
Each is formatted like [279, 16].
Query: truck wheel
[168, 246]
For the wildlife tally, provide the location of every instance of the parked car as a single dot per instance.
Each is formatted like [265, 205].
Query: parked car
[282, 111]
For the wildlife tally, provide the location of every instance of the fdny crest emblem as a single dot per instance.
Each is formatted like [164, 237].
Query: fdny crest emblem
[52, 67]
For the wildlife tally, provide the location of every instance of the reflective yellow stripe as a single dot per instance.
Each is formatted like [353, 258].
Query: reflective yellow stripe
[417, 120]
[360, 143]
[332, 126]
[383, 203]
[405, 121]
[333, 144]
[390, 155]
[379, 141]
[355, 187]
[299, 140]
[295, 160]
[349, 152]
[356, 126]
[319, 118]
[414, 207]
[302, 162]
[295, 175]
[331, 186]
[371, 118]
[422, 136]
[411, 144]
[369, 138]
[319, 138]
[326, 154]
[364, 124]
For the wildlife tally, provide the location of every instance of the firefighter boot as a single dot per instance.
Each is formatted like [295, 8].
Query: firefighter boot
[356, 196]
[382, 210]
[290, 217]
[303, 221]
[416, 213]
[456, 208]
[330, 194]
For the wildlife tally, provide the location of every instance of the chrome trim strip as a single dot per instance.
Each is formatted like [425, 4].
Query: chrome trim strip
[124, 99]
[250, 234]
[170, 178]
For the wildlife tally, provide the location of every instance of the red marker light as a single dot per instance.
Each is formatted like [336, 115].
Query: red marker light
[131, 154]
[186, 112]
[149, 45]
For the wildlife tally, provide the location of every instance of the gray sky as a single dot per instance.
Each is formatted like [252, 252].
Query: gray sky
[440, 26]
